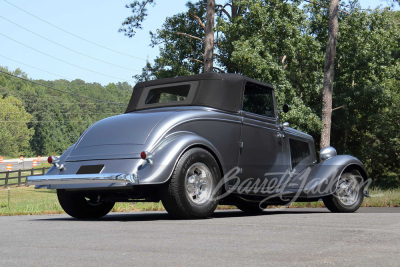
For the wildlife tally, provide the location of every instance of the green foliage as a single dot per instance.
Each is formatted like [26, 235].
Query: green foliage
[14, 131]
[367, 86]
[270, 43]
[283, 43]
[180, 54]
[51, 121]
[134, 22]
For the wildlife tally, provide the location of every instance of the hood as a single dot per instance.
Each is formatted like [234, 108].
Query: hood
[121, 136]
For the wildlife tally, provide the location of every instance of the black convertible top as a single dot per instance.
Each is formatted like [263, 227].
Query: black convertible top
[217, 90]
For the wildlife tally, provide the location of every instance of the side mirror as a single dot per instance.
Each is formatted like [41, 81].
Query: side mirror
[286, 108]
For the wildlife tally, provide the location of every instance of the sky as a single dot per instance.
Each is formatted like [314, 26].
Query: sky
[84, 42]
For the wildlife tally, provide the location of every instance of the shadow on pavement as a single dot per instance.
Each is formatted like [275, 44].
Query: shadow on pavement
[163, 216]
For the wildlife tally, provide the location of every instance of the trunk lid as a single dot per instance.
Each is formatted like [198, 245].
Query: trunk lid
[121, 136]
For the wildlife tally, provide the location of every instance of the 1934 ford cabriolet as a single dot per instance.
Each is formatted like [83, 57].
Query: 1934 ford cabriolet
[194, 142]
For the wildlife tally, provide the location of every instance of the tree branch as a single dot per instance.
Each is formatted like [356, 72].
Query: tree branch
[199, 61]
[222, 9]
[198, 19]
[283, 59]
[223, 6]
[190, 36]
[221, 70]
[338, 108]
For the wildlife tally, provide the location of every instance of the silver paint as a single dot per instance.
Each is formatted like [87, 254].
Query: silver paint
[259, 145]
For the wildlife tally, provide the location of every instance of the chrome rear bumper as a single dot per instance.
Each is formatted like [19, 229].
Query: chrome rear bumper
[82, 180]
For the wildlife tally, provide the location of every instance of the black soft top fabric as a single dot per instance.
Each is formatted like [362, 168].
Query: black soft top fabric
[217, 90]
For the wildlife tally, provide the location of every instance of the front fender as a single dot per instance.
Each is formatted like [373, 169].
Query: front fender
[322, 179]
[166, 155]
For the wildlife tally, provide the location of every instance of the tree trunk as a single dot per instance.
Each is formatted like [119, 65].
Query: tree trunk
[209, 37]
[328, 74]
[235, 10]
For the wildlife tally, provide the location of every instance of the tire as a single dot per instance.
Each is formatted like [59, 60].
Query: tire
[191, 191]
[82, 205]
[349, 195]
[250, 207]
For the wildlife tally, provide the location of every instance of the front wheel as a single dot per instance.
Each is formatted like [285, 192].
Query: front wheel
[349, 194]
[192, 190]
[83, 205]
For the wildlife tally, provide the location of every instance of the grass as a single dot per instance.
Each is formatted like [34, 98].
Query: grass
[378, 198]
[29, 201]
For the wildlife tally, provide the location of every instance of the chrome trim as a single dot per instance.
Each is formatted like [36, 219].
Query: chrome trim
[297, 133]
[199, 183]
[105, 179]
[348, 190]
[284, 125]
[55, 159]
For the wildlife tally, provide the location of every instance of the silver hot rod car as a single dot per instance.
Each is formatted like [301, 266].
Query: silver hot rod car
[195, 142]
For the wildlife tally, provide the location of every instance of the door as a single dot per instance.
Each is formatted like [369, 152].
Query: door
[263, 153]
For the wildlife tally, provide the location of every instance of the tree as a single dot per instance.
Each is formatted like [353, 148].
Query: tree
[14, 132]
[366, 92]
[284, 43]
[329, 74]
[209, 37]
[140, 12]
[55, 119]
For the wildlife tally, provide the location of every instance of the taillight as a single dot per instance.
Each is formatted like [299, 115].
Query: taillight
[146, 156]
[53, 159]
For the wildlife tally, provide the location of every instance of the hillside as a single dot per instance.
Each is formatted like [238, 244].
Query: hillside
[44, 120]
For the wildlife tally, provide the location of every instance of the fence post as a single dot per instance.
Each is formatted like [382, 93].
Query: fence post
[26, 180]
[19, 177]
[43, 171]
[6, 180]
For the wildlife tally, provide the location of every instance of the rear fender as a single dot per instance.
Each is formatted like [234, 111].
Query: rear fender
[53, 170]
[166, 155]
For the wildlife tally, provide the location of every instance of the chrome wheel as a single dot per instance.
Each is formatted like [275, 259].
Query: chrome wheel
[198, 183]
[348, 196]
[348, 190]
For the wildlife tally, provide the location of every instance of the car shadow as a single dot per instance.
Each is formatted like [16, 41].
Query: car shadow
[163, 216]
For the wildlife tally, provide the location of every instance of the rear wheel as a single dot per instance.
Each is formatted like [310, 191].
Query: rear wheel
[349, 194]
[83, 205]
[192, 190]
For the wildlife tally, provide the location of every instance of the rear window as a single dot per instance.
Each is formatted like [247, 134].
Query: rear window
[176, 94]
[168, 94]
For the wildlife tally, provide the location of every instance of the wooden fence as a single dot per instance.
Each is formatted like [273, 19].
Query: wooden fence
[18, 178]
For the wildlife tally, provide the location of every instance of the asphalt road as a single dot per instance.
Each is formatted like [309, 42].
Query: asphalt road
[301, 237]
